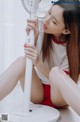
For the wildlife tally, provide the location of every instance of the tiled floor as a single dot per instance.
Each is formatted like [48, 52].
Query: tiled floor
[13, 101]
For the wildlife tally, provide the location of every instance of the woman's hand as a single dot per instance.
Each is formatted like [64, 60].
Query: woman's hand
[31, 52]
[32, 25]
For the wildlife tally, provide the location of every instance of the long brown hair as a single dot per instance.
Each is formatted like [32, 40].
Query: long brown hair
[71, 16]
[46, 46]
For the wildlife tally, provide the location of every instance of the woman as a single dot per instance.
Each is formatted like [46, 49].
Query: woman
[60, 48]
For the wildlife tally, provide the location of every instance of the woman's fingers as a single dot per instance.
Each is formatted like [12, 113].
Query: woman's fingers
[31, 55]
[26, 45]
[32, 21]
[30, 50]
[32, 25]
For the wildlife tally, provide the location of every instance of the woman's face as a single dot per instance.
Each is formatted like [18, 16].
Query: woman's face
[54, 23]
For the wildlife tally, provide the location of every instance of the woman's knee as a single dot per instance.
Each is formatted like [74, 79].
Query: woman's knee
[54, 70]
[54, 74]
[20, 62]
[18, 66]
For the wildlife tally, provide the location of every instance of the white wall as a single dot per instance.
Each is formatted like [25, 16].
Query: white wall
[1, 34]
[12, 31]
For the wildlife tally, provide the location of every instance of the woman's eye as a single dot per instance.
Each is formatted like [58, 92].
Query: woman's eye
[54, 22]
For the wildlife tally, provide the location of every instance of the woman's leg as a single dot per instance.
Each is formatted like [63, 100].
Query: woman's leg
[10, 77]
[15, 72]
[67, 87]
[56, 96]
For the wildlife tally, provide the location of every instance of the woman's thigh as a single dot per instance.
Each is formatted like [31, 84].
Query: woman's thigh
[37, 93]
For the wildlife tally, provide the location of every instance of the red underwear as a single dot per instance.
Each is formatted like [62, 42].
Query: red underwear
[47, 100]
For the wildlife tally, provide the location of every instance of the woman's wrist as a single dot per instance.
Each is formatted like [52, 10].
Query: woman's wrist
[35, 64]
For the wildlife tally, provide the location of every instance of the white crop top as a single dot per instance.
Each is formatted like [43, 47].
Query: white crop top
[59, 58]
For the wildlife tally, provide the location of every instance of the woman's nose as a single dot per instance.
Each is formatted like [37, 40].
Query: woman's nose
[47, 20]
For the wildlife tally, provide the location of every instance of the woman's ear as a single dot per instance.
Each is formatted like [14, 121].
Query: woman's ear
[66, 31]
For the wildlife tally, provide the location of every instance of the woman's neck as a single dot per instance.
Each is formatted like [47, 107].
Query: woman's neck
[57, 37]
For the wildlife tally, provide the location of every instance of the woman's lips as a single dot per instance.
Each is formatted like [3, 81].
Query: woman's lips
[44, 27]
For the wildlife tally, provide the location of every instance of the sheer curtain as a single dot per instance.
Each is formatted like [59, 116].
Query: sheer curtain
[12, 31]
